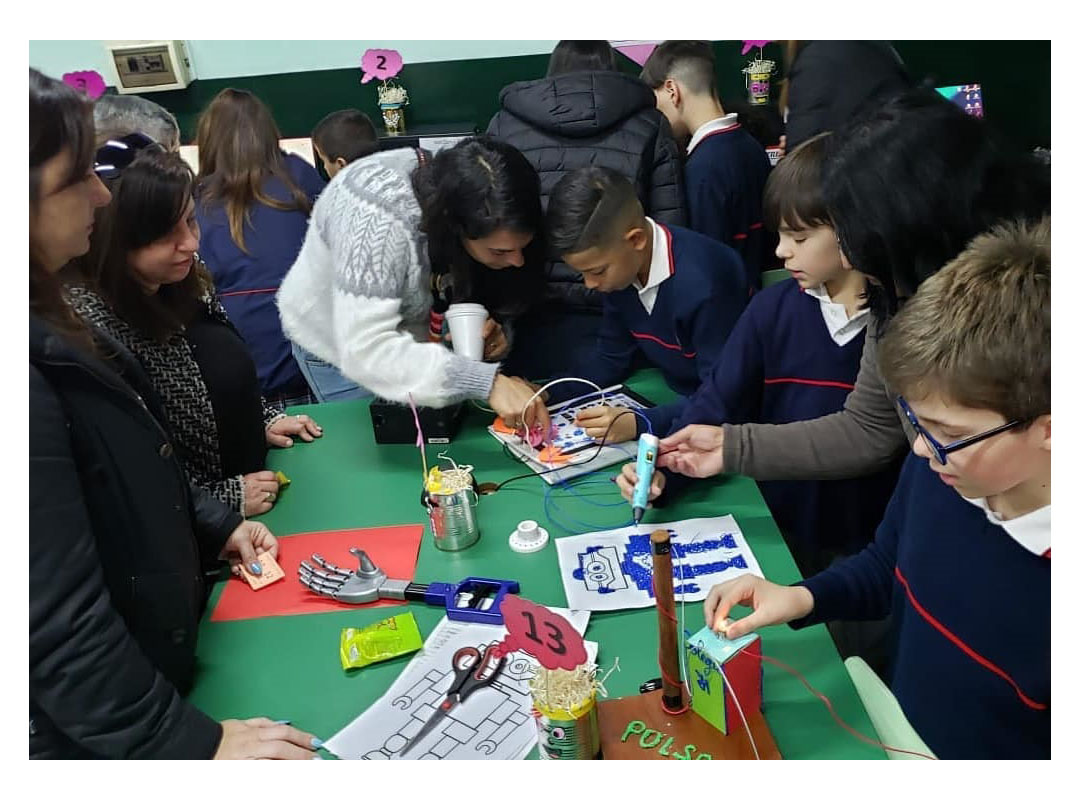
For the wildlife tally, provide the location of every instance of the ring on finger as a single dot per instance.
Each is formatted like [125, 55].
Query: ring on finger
[270, 497]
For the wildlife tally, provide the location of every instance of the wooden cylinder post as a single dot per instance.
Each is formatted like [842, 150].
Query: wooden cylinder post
[664, 589]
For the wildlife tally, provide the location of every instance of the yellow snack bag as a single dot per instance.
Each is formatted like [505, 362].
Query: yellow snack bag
[384, 640]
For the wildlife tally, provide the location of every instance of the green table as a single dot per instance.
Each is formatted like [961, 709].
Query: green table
[288, 667]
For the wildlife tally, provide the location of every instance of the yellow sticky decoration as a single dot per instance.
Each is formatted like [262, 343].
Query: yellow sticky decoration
[385, 639]
[282, 480]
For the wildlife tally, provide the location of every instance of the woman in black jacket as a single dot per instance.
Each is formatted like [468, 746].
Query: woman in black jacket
[143, 283]
[584, 113]
[115, 531]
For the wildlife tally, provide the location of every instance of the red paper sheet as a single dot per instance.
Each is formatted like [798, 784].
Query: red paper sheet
[394, 549]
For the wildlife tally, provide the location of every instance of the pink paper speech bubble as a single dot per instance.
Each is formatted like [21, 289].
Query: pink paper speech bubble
[747, 44]
[87, 81]
[381, 64]
[541, 633]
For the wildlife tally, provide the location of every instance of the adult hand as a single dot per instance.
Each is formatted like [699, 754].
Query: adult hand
[696, 450]
[771, 602]
[496, 345]
[260, 492]
[617, 423]
[628, 478]
[246, 543]
[263, 738]
[279, 433]
[508, 398]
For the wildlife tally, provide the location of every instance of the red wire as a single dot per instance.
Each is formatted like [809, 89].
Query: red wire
[670, 615]
[829, 706]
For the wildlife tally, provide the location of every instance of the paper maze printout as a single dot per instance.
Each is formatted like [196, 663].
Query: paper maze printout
[493, 723]
[612, 570]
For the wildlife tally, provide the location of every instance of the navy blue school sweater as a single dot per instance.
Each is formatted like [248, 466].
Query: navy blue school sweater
[725, 178]
[248, 282]
[781, 365]
[970, 615]
[695, 310]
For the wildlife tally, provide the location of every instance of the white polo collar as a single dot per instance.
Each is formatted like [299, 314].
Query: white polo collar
[842, 328]
[712, 126]
[661, 266]
[1031, 531]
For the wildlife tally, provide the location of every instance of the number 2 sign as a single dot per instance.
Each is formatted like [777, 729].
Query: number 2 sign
[541, 633]
[381, 64]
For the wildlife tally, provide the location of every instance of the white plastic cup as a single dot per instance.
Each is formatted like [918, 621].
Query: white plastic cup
[466, 322]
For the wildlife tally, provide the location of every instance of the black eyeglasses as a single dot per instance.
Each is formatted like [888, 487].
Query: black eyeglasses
[117, 154]
[941, 451]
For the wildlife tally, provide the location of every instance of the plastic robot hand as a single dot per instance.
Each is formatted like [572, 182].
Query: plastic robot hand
[355, 588]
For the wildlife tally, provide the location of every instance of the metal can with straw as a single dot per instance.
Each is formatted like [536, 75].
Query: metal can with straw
[451, 503]
[564, 707]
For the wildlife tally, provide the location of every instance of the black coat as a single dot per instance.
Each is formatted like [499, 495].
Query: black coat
[583, 119]
[116, 590]
[835, 82]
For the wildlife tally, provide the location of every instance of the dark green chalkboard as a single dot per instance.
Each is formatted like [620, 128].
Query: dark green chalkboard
[1014, 76]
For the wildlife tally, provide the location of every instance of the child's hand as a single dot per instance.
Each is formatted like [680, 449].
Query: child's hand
[771, 602]
[628, 479]
[598, 420]
[496, 345]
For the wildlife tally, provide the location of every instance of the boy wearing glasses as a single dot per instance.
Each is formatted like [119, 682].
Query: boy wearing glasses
[962, 558]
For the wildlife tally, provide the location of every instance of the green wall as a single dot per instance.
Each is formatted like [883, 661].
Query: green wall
[1014, 76]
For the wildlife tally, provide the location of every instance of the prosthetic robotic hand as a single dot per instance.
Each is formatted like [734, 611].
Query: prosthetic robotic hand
[355, 588]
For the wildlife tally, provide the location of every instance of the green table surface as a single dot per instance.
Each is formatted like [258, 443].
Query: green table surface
[289, 668]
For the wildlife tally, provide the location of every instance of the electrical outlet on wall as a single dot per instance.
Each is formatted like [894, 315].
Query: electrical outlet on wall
[149, 66]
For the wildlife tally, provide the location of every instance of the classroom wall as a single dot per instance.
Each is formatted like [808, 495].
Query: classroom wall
[459, 81]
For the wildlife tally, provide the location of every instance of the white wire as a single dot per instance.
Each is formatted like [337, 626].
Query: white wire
[549, 384]
[738, 705]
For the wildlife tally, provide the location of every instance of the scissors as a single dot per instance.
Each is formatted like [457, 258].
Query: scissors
[472, 671]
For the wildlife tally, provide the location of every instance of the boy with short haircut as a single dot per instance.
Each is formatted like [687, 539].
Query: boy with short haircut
[726, 167]
[794, 355]
[670, 293]
[342, 137]
[962, 558]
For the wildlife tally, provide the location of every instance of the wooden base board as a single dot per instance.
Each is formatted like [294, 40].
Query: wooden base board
[683, 729]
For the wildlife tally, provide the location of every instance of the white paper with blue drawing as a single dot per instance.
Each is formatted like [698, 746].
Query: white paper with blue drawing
[611, 570]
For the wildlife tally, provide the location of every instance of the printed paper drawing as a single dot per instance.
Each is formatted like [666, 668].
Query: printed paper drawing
[611, 570]
[570, 446]
[494, 723]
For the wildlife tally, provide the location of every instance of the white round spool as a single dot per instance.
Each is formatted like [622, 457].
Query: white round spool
[528, 537]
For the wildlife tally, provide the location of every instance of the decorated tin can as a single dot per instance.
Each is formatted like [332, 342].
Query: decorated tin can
[572, 734]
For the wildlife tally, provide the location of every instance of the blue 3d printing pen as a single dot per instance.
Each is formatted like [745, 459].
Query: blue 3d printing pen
[648, 447]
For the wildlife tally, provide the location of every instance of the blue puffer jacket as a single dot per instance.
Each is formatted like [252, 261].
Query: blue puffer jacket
[247, 282]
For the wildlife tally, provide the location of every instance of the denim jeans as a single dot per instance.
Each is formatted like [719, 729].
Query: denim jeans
[326, 381]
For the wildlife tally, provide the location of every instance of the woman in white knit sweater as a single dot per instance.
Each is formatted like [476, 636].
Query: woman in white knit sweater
[392, 240]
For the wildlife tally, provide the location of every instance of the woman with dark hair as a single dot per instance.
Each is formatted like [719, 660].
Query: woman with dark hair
[252, 204]
[115, 528]
[143, 282]
[585, 113]
[907, 189]
[394, 239]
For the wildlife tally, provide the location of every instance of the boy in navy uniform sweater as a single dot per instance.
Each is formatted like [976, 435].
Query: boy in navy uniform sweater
[962, 558]
[794, 355]
[726, 167]
[669, 293]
